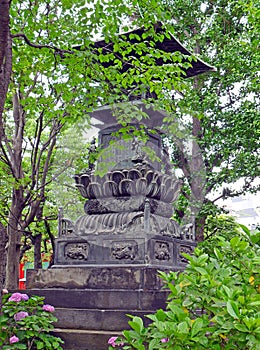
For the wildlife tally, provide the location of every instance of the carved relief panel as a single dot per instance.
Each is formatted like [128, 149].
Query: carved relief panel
[162, 251]
[76, 251]
[124, 250]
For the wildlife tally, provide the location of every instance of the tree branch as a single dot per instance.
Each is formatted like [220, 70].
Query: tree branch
[57, 50]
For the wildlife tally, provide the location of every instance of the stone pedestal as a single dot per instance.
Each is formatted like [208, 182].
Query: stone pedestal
[92, 302]
[106, 263]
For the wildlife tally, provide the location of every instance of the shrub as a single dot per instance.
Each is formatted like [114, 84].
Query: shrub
[26, 322]
[214, 304]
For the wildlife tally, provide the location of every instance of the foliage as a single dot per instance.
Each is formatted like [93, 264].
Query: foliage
[221, 224]
[220, 111]
[213, 304]
[62, 77]
[26, 323]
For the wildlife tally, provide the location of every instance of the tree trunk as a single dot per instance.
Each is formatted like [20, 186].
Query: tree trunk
[3, 241]
[13, 259]
[37, 251]
[200, 224]
[52, 239]
[5, 56]
[14, 241]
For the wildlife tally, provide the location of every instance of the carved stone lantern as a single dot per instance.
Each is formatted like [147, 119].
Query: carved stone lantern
[128, 211]
[106, 263]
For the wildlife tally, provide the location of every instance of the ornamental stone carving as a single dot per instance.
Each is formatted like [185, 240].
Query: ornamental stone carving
[76, 251]
[123, 204]
[124, 250]
[138, 180]
[162, 251]
[125, 210]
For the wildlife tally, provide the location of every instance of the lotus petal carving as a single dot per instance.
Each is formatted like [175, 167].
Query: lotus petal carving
[117, 176]
[134, 174]
[127, 188]
[141, 186]
[94, 190]
[129, 182]
[110, 189]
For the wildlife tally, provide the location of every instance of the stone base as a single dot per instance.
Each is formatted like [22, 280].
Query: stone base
[131, 277]
[88, 318]
[84, 339]
[92, 302]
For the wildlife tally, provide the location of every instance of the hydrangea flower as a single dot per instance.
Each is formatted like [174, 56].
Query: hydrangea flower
[48, 308]
[20, 315]
[18, 297]
[13, 339]
[164, 340]
[112, 341]
[24, 297]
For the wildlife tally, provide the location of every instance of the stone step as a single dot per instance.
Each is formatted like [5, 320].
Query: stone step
[103, 299]
[84, 339]
[95, 319]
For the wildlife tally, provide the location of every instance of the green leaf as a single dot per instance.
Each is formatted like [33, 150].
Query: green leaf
[241, 327]
[196, 327]
[183, 327]
[201, 270]
[232, 309]
[137, 324]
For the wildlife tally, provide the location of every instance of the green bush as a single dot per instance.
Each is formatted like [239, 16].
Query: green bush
[26, 322]
[213, 304]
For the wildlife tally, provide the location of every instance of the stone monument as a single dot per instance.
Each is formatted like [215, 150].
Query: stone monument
[106, 262]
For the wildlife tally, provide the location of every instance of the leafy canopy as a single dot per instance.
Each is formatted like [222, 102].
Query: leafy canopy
[213, 304]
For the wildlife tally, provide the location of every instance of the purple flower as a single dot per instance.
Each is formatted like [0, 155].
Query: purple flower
[18, 297]
[24, 297]
[13, 339]
[112, 341]
[48, 308]
[20, 315]
[164, 340]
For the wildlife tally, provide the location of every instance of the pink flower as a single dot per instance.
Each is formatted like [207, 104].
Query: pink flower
[112, 341]
[24, 297]
[20, 315]
[48, 308]
[18, 297]
[5, 291]
[164, 340]
[13, 339]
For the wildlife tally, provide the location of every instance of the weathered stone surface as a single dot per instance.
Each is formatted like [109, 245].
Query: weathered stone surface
[108, 320]
[85, 277]
[146, 248]
[104, 299]
[130, 277]
[124, 204]
[84, 339]
[88, 318]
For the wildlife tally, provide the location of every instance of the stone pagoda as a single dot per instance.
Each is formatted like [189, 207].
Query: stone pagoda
[106, 262]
